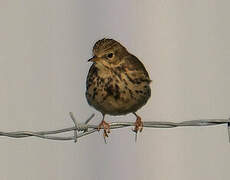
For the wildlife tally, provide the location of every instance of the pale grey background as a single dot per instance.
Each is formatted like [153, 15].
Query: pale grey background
[185, 46]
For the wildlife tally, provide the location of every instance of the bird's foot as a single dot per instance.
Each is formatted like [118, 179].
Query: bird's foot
[138, 125]
[106, 128]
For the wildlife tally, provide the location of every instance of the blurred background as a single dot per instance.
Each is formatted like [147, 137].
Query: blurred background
[44, 48]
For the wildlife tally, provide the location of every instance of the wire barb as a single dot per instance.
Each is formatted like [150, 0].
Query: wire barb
[228, 130]
[76, 126]
[84, 129]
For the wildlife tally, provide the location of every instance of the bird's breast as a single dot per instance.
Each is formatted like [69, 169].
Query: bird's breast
[115, 92]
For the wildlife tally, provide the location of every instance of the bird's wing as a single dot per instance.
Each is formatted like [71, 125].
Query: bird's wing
[136, 69]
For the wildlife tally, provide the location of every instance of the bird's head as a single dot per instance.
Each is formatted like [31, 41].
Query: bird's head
[107, 53]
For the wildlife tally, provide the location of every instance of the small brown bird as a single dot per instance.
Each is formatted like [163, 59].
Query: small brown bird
[117, 82]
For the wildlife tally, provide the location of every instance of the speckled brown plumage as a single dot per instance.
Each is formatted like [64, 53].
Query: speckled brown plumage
[117, 82]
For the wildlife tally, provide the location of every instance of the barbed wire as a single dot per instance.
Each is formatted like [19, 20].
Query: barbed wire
[83, 129]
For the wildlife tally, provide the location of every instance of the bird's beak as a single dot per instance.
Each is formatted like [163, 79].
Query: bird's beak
[93, 59]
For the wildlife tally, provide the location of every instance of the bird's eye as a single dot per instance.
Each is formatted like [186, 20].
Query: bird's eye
[110, 55]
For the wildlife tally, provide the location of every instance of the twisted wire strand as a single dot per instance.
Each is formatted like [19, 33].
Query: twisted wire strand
[83, 129]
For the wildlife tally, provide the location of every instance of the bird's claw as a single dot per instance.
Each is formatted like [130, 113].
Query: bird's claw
[104, 125]
[138, 125]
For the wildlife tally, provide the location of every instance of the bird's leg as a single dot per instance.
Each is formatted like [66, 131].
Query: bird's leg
[105, 126]
[138, 124]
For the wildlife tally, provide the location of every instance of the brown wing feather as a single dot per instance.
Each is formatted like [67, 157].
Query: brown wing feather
[136, 68]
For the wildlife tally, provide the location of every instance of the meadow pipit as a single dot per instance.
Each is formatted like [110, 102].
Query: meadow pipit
[117, 82]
